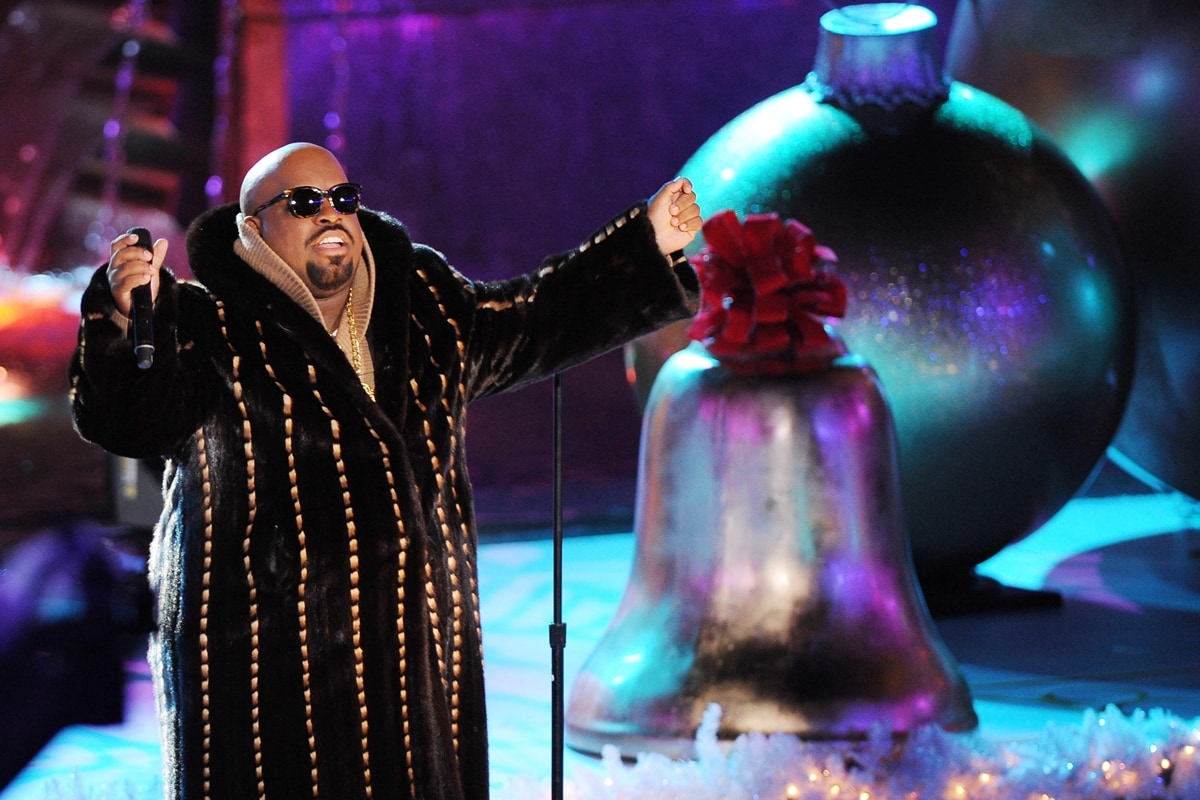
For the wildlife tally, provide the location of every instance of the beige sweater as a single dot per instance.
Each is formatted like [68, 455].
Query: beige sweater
[252, 249]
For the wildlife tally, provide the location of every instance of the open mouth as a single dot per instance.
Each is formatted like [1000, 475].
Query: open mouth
[334, 241]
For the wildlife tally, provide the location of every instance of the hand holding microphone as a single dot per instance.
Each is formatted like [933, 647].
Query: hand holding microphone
[143, 310]
[135, 262]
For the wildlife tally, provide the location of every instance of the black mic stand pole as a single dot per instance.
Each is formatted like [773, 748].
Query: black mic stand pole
[558, 630]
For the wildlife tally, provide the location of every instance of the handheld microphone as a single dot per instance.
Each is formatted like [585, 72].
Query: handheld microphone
[143, 306]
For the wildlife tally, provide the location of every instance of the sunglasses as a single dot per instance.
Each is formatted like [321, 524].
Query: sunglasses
[306, 201]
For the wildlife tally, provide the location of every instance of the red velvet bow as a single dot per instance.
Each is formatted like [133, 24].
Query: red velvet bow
[764, 291]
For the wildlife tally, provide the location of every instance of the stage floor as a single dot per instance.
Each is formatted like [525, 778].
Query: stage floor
[1127, 633]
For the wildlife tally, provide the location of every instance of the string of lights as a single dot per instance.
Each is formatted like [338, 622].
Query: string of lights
[223, 64]
[339, 92]
[1108, 755]
[104, 227]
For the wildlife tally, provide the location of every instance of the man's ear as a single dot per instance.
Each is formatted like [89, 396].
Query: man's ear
[254, 222]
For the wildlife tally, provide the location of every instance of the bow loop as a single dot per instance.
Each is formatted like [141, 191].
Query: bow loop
[766, 289]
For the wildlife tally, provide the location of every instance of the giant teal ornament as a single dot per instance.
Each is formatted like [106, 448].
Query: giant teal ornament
[1115, 84]
[986, 284]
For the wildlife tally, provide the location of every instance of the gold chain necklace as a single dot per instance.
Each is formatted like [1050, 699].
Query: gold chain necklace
[356, 359]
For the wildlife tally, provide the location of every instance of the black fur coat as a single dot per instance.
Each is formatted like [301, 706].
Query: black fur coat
[318, 629]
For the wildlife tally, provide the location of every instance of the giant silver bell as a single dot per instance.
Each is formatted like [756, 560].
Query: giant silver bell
[772, 573]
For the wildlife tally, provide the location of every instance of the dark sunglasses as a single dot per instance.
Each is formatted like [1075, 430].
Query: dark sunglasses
[306, 201]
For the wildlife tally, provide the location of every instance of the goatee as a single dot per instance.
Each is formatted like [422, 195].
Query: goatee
[331, 275]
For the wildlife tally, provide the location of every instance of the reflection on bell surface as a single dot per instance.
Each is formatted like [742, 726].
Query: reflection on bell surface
[772, 573]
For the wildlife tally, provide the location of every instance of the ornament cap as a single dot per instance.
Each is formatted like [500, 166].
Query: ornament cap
[878, 56]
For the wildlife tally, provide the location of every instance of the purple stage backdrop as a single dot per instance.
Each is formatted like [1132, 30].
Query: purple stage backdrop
[502, 130]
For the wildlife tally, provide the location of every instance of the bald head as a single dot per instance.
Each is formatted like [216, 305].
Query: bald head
[323, 246]
[274, 172]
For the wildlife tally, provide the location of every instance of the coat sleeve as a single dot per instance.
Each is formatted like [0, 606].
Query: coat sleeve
[133, 412]
[611, 289]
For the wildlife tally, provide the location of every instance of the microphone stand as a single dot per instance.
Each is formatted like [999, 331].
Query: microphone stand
[558, 630]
